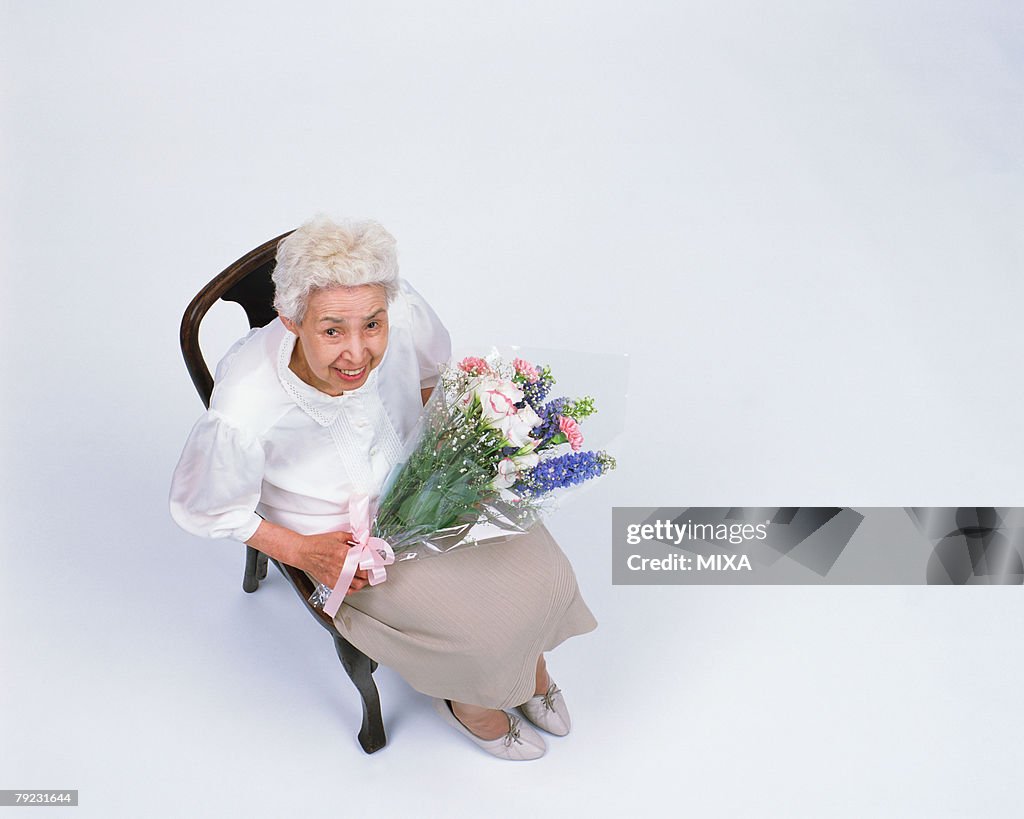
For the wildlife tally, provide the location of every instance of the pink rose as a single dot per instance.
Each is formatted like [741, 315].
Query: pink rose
[509, 469]
[498, 409]
[571, 430]
[506, 474]
[498, 398]
[526, 370]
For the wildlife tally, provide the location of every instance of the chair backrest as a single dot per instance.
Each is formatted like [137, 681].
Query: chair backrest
[246, 282]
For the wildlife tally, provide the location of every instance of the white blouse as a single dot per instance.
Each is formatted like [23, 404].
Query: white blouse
[272, 446]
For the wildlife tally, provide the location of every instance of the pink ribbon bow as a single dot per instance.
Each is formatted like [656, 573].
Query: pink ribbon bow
[369, 553]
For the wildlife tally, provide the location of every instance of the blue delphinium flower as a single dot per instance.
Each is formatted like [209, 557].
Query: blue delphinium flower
[563, 471]
[549, 414]
[536, 392]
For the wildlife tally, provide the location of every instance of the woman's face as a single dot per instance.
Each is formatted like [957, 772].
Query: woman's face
[342, 337]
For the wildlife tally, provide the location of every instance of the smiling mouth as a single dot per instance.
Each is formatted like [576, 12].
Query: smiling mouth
[350, 375]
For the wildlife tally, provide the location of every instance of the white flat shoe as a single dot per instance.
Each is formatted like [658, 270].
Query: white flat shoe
[520, 742]
[548, 711]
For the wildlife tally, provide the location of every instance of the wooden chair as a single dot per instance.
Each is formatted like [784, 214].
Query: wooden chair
[247, 282]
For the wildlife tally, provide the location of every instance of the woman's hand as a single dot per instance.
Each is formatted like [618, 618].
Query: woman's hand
[324, 556]
[320, 555]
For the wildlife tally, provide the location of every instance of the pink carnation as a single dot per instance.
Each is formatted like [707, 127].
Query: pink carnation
[572, 431]
[526, 370]
[474, 366]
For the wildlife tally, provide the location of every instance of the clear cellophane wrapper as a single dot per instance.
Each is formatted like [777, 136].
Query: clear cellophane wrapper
[469, 476]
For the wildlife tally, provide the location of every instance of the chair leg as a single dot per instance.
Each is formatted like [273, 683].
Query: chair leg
[261, 566]
[251, 580]
[360, 668]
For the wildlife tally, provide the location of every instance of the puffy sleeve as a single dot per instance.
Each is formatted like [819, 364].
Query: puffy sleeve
[217, 482]
[430, 337]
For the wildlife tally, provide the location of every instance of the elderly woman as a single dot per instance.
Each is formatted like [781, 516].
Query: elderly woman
[314, 408]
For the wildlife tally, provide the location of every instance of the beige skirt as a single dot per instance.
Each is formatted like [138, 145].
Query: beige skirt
[469, 626]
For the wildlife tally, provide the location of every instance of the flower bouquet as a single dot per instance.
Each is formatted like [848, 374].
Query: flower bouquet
[489, 450]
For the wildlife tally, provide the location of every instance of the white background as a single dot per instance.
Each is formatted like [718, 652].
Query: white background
[800, 220]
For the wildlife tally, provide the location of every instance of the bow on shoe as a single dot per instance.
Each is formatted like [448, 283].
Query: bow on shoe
[548, 711]
[513, 731]
[548, 697]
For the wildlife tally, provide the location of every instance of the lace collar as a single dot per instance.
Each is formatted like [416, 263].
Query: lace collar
[320, 406]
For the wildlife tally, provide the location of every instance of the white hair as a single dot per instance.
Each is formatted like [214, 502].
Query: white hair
[323, 254]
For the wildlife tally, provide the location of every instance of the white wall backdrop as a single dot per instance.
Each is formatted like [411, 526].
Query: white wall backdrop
[800, 220]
